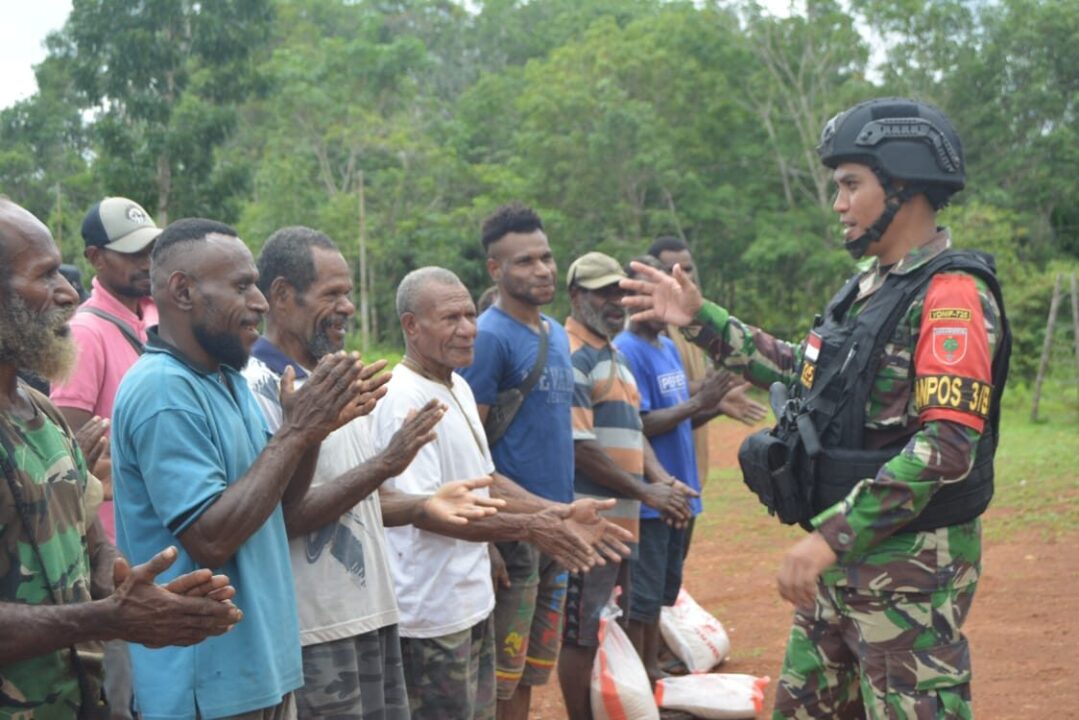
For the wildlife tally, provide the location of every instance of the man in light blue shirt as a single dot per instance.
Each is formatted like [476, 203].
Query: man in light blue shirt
[193, 463]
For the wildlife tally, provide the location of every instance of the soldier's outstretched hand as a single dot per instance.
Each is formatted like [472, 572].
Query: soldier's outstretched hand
[658, 296]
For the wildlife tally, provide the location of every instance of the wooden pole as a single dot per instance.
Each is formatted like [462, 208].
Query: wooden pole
[59, 219]
[1075, 329]
[364, 328]
[1043, 366]
[372, 311]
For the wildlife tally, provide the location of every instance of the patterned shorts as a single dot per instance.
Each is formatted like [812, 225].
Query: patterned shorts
[528, 618]
[586, 594]
[358, 678]
[452, 677]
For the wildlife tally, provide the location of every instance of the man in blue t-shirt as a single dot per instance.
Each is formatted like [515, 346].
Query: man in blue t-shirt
[536, 450]
[193, 465]
[668, 415]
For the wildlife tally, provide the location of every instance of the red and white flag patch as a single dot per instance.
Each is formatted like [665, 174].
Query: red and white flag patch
[813, 345]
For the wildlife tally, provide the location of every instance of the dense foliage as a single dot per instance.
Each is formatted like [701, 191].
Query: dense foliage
[617, 119]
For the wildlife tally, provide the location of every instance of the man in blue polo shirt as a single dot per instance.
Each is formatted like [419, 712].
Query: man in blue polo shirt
[193, 463]
[536, 450]
[668, 415]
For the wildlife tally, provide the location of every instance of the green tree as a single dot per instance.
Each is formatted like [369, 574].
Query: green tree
[163, 78]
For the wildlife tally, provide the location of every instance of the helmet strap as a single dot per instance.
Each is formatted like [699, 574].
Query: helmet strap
[893, 200]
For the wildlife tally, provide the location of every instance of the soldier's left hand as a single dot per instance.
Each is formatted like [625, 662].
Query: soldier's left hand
[802, 565]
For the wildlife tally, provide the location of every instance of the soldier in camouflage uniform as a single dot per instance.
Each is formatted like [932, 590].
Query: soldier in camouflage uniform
[879, 608]
[57, 597]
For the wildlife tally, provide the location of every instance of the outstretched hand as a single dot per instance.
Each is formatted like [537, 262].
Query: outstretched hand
[738, 405]
[456, 504]
[606, 538]
[174, 614]
[715, 387]
[549, 531]
[656, 295]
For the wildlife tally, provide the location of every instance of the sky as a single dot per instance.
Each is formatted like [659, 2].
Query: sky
[27, 22]
[22, 43]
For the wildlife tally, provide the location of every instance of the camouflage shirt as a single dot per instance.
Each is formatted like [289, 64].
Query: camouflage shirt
[866, 528]
[52, 480]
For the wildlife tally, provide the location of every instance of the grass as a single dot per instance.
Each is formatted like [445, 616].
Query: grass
[391, 353]
[1037, 474]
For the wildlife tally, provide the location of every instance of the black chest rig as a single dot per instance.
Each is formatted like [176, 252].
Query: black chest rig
[818, 451]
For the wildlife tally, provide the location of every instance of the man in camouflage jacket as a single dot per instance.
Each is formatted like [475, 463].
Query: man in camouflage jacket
[879, 609]
[63, 588]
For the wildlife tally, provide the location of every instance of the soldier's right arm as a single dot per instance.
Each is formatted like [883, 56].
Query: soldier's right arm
[759, 357]
[185, 612]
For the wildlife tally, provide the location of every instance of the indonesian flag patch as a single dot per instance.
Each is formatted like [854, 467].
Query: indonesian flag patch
[813, 343]
[949, 344]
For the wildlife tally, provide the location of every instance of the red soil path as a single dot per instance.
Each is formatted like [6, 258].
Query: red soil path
[1023, 628]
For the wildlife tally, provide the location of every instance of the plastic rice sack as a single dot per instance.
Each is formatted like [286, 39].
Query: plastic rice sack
[713, 696]
[620, 687]
[693, 635]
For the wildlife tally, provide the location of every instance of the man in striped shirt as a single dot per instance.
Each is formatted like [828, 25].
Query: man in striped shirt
[612, 459]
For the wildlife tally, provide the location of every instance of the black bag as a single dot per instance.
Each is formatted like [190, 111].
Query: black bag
[508, 402]
[770, 461]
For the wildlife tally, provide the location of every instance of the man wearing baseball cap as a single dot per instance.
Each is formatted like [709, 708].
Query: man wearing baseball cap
[612, 459]
[109, 330]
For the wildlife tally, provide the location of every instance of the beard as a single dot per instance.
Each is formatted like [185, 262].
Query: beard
[595, 321]
[320, 344]
[131, 290]
[225, 348]
[39, 342]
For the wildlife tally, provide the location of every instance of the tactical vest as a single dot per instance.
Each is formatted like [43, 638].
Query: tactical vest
[850, 351]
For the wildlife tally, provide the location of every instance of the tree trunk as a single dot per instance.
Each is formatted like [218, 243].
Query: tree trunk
[164, 188]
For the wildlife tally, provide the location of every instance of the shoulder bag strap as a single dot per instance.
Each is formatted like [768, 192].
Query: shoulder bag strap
[128, 334]
[541, 360]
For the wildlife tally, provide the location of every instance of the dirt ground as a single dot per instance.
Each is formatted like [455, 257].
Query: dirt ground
[1023, 628]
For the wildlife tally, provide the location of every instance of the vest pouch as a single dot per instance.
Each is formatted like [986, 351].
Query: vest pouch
[770, 461]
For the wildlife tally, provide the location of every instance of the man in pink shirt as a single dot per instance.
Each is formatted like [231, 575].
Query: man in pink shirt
[109, 330]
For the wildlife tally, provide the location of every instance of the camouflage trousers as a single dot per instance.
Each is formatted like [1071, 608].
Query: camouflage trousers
[864, 654]
[355, 678]
[452, 677]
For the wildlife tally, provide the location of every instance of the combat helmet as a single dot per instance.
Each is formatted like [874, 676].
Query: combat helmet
[900, 139]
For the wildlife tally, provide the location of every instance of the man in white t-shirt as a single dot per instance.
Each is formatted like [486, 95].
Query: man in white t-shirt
[444, 583]
[344, 591]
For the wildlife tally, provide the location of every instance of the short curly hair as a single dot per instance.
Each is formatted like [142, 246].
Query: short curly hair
[515, 217]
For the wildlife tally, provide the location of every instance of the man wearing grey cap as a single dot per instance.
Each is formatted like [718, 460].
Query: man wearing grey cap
[109, 331]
